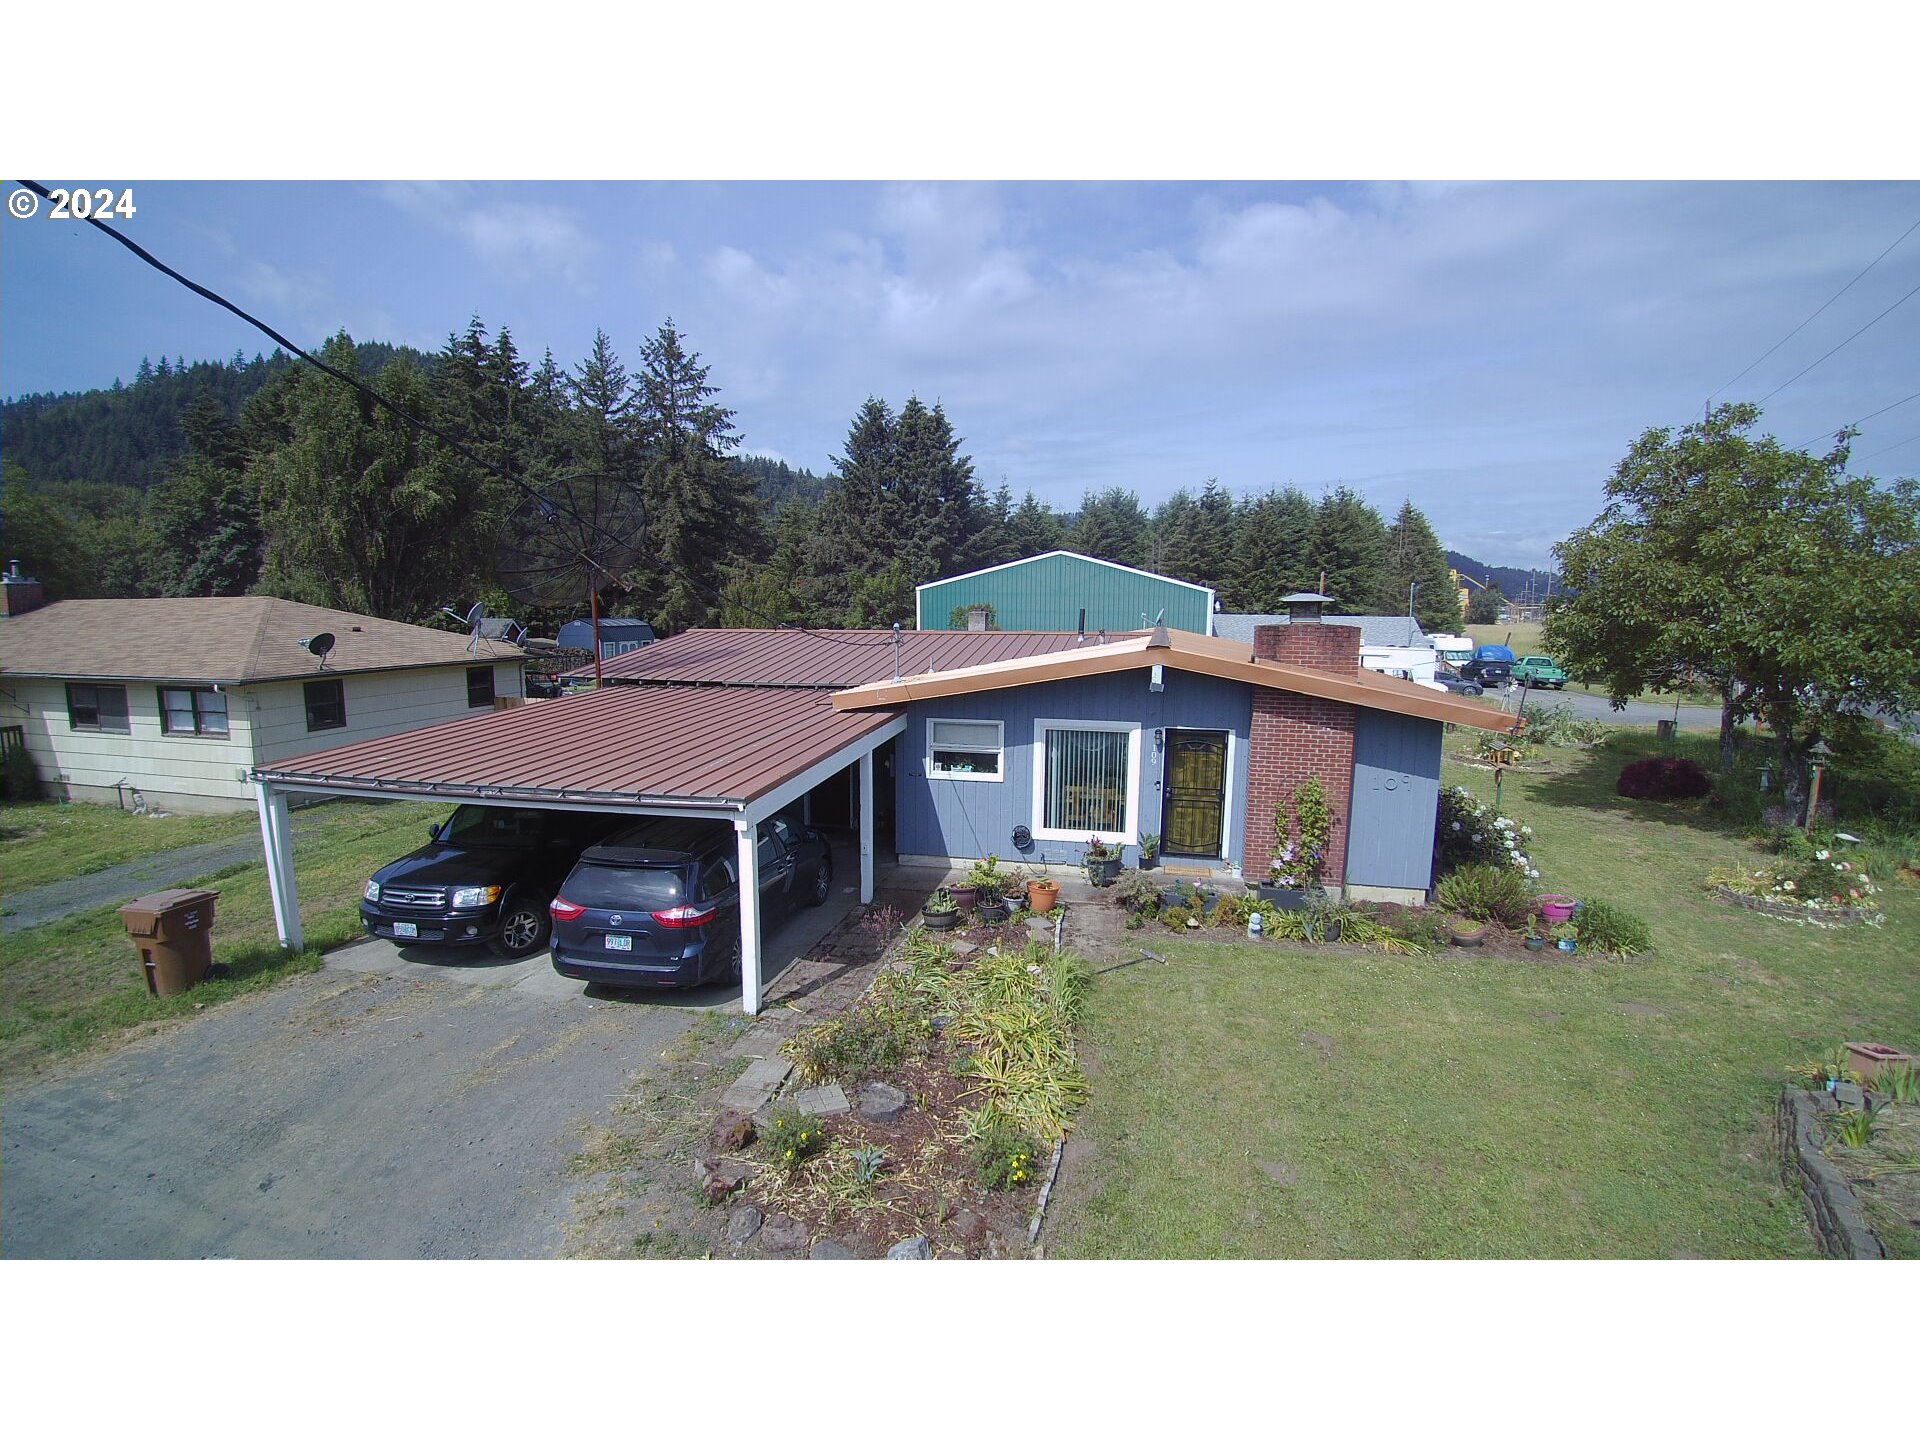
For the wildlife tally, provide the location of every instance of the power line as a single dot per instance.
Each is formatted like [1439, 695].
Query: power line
[377, 398]
[1816, 314]
[1895, 446]
[1843, 344]
[1856, 424]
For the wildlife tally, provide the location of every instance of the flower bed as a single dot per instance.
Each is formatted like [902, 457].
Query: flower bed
[1818, 888]
[982, 1045]
[1467, 830]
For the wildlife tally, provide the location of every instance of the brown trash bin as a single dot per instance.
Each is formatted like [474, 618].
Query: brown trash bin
[173, 931]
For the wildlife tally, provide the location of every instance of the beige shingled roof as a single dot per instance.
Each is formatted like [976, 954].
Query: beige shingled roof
[234, 640]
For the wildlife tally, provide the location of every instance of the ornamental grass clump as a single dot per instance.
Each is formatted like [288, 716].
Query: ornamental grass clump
[1606, 927]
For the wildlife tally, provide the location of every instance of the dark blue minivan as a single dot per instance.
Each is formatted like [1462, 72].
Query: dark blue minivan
[658, 905]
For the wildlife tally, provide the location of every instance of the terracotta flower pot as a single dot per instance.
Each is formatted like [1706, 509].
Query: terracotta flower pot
[1870, 1058]
[1042, 895]
[1469, 937]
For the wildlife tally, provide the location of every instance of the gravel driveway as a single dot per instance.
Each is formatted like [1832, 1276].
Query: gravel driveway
[339, 1114]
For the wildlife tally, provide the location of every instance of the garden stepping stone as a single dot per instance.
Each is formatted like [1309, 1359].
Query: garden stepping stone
[918, 1248]
[744, 1224]
[1043, 928]
[823, 1100]
[782, 1233]
[830, 1250]
[756, 1085]
[880, 1101]
[963, 947]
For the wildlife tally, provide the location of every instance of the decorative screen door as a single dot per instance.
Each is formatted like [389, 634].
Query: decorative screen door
[1196, 792]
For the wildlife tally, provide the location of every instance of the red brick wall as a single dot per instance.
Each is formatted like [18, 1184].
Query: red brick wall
[1297, 736]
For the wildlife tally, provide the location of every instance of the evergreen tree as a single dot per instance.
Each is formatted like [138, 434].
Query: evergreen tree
[1350, 546]
[938, 508]
[859, 521]
[205, 517]
[1272, 552]
[362, 513]
[1414, 556]
[1034, 529]
[1112, 526]
[698, 508]
[1193, 536]
[1483, 606]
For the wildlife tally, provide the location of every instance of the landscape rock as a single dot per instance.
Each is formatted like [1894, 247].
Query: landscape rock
[970, 1226]
[744, 1224]
[880, 1101]
[824, 1249]
[732, 1131]
[1849, 1096]
[963, 947]
[722, 1178]
[823, 1100]
[783, 1233]
[918, 1248]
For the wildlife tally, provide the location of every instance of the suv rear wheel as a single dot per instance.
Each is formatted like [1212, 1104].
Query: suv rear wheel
[822, 884]
[525, 924]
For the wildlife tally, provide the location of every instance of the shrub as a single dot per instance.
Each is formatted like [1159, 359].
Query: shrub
[876, 1036]
[1002, 1156]
[1136, 890]
[1603, 926]
[1466, 831]
[19, 781]
[1175, 917]
[1558, 725]
[1422, 928]
[1487, 892]
[1664, 777]
[791, 1138]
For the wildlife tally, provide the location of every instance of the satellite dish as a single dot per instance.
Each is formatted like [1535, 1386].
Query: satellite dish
[476, 614]
[320, 645]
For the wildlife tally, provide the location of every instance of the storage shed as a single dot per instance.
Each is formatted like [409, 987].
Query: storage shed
[1054, 591]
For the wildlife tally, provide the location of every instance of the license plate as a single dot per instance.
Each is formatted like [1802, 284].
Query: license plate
[619, 942]
[405, 930]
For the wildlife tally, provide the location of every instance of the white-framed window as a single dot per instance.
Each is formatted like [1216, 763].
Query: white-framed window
[1086, 780]
[185, 711]
[966, 750]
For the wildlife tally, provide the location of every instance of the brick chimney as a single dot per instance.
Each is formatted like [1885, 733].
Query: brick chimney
[1296, 736]
[18, 593]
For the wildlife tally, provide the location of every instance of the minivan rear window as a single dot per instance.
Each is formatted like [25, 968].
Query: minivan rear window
[632, 886]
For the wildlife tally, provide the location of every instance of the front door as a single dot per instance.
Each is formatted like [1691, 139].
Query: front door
[1194, 817]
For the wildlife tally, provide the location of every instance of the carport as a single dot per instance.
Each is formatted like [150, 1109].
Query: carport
[736, 753]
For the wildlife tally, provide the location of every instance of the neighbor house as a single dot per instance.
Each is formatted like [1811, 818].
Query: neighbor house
[1061, 590]
[171, 703]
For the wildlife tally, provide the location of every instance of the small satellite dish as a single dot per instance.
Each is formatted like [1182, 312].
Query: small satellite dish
[320, 645]
[476, 614]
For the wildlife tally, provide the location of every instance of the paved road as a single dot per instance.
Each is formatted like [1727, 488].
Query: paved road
[1598, 707]
[390, 1106]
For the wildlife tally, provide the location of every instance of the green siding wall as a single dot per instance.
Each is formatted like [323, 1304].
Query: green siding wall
[1047, 593]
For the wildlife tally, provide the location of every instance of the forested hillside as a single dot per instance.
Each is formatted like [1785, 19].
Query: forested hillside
[1513, 583]
[268, 476]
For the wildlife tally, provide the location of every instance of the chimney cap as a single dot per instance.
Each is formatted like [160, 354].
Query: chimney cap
[1306, 597]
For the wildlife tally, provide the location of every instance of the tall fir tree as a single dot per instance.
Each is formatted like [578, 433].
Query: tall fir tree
[697, 507]
[1350, 547]
[205, 516]
[1272, 551]
[1112, 526]
[1415, 558]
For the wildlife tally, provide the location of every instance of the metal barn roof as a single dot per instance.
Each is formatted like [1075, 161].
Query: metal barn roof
[823, 659]
[1048, 592]
[627, 745]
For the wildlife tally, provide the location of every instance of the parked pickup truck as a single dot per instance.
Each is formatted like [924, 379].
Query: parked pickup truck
[1490, 667]
[1539, 670]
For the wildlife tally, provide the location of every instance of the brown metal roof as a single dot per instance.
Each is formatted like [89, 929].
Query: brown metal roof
[824, 659]
[627, 743]
[1201, 654]
[233, 639]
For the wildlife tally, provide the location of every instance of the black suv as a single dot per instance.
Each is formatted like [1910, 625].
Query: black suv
[486, 878]
[659, 904]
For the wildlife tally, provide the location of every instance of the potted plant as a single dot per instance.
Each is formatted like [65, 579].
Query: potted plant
[940, 912]
[1465, 931]
[1102, 861]
[1563, 937]
[1535, 940]
[965, 895]
[1042, 894]
[1557, 909]
[1149, 849]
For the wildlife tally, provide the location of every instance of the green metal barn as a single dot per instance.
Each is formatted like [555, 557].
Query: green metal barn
[1053, 591]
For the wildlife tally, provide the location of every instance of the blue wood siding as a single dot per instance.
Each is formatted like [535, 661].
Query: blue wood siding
[1049, 591]
[976, 817]
[1396, 789]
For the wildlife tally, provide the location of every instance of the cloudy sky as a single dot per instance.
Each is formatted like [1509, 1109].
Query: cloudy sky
[1487, 350]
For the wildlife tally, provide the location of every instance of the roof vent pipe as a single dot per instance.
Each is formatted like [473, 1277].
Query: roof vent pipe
[896, 649]
[1083, 625]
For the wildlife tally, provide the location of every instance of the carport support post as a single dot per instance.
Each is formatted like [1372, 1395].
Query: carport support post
[276, 839]
[866, 828]
[746, 835]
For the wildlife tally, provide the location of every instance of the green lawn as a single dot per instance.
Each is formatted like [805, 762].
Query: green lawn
[44, 842]
[1452, 1106]
[73, 983]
